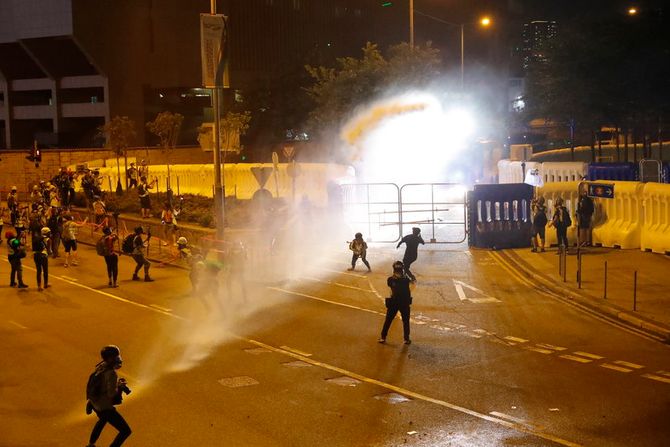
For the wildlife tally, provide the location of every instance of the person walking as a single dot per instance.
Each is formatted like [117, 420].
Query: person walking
[70, 229]
[359, 248]
[585, 209]
[538, 223]
[15, 252]
[41, 251]
[138, 254]
[133, 175]
[108, 240]
[400, 301]
[103, 391]
[561, 221]
[411, 242]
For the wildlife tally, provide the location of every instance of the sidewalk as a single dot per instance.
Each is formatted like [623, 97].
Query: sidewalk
[653, 287]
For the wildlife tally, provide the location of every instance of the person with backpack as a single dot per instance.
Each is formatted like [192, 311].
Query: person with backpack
[169, 221]
[359, 248]
[104, 390]
[145, 201]
[70, 229]
[561, 221]
[41, 251]
[138, 254]
[538, 216]
[412, 242]
[105, 247]
[400, 301]
[15, 252]
[99, 211]
[585, 210]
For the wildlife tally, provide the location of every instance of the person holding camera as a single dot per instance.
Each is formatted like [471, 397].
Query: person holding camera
[138, 254]
[400, 301]
[15, 252]
[104, 390]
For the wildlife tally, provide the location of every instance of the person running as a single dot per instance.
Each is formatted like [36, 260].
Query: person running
[41, 251]
[538, 224]
[139, 249]
[585, 210]
[15, 252]
[70, 229]
[145, 201]
[133, 175]
[103, 391]
[400, 301]
[359, 248]
[412, 242]
[109, 239]
[561, 221]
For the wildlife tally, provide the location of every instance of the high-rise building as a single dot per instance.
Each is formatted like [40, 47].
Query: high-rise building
[68, 66]
[537, 38]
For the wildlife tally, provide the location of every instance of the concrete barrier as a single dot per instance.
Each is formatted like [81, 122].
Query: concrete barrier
[619, 221]
[563, 171]
[655, 234]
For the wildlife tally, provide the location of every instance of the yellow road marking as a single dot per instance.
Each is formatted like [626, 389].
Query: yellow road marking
[657, 378]
[540, 350]
[628, 364]
[615, 367]
[337, 303]
[515, 339]
[575, 358]
[589, 355]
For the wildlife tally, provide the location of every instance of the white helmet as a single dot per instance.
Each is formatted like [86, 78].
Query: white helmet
[182, 241]
[46, 231]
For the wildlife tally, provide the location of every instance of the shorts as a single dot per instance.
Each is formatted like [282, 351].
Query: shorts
[145, 203]
[584, 223]
[538, 231]
[70, 244]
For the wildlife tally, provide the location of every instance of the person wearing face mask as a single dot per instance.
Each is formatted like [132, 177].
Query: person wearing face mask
[400, 301]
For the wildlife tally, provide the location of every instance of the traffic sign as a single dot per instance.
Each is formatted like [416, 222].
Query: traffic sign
[601, 190]
[289, 152]
[262, 175]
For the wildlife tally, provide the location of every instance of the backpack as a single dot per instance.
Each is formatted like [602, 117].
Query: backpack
[101, 247]
[94, 386]
[128, 245]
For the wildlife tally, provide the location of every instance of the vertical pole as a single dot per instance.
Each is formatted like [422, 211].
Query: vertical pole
[462, 56]
[368, 200]
[178, 186]
[565, 264]
[635, 291]
[219, 195]
[411, 23]
[432, 210]
[605, 285]
[579, 268]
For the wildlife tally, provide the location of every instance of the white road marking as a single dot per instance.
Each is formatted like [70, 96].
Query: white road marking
[628, 364]
[615, 367]
[419, 396]
[296, 351]
[513, 419]
[540, 350]
[552, 347]
[18, 325]
[68, 278]
[164, 309]
[311, 297]
[342, 273]
[575, 358]
[459, 285]
[332, 283]
[589, 355]
[657, 378]
[372, 287]
[516, 339]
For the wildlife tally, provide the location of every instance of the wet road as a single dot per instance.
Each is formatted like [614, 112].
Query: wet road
[494, 361]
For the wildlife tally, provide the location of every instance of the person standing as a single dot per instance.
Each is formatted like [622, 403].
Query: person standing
[400, 301]
[15, 252]
[103, 391]
[412, 242]
[99, 211]
[585, 209]
[143, 170]
[41, 249]
[139, 249]
[561, 221]
[169, 221]
[538, 223]
[55, 224]
[145, 201]
[359, 248]
[109, 238]
[133, 176]
[13, 200]
[70, 229]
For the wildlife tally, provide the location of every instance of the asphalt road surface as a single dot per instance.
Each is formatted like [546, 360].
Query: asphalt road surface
[295, 361]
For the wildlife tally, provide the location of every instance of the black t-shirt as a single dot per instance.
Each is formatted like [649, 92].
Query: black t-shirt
[399, 288]
[412, 241]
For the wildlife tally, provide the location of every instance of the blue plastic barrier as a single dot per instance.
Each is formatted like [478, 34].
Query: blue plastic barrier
[665, 173]
[613, 171]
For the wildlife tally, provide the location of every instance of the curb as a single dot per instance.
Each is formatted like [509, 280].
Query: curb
[592, 303]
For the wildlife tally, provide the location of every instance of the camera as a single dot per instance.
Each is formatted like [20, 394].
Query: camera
[123, 387]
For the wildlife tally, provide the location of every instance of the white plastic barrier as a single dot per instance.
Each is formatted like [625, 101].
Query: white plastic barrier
[568, 191]
[620, 220]
[563, 171]
[655, 235]
[513, 171]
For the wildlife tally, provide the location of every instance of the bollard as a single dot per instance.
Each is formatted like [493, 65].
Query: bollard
[579, 268]
[635, 291]
[605, 285]
[560, 261]
[565, 264]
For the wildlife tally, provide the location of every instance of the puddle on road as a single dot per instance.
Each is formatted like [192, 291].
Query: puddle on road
[392, 398]
[344, 381]
[237, 382]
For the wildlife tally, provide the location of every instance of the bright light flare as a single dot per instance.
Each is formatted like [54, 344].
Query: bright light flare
[632, 11]
[485, 21]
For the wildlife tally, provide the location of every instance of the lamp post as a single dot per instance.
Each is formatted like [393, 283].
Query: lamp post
[219, 185]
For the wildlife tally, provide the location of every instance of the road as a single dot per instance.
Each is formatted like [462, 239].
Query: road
[494, 361]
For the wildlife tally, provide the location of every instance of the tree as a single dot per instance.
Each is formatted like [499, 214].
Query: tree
[337, 92]
[166, 126]
[119, 133]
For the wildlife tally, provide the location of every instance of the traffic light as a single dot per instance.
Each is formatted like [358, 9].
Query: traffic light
[35, 155]
[386, 4]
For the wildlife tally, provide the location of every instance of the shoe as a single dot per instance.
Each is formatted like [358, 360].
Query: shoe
[136, 278]
[109, 284]
[115, 285]
[46, 286]
[381, 340]
[12, 284]
[39, 288]
[148, 279]
[533, 250]
[369, 270]
[408, 342]
[351, 269]
[542, 250]
[65, 265]
[23, 286]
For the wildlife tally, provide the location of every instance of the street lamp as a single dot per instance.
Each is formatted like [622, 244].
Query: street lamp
[484, 22]
[632, 11]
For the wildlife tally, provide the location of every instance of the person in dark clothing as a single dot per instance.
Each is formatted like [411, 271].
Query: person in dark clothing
[585, 209]
[412, 242]
[109, 238]
[41, 249]
[561, 221]
[138, 254]
[55, 224]
[360, 249]
[538, 223]
[15, 252]
[108, 395]
[400, 301]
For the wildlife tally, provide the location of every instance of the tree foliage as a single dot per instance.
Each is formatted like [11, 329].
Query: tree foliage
[166, 126]
[119, 134]
[233, 126]
[338, 91]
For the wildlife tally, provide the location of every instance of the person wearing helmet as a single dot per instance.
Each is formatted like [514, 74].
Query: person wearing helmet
[138, 254]
[103, 391]
[132, 175]
[109, 239]
[412, 242]
[400, 301]
[70, 229]
[41, 252]
[561, 221]
[360, 249]
[15, 252]
[13, 200]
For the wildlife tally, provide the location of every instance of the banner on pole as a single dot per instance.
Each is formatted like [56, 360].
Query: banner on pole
[214, 50]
